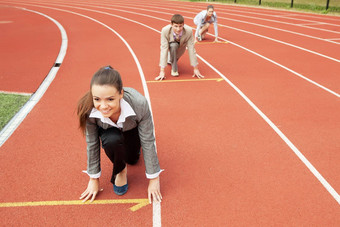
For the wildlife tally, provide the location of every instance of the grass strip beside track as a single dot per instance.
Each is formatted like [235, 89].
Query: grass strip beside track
[10, 104]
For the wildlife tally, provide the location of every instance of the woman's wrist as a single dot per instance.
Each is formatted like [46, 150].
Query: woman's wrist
[154, 179]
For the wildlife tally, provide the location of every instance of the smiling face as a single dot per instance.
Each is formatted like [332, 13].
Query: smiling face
[106, 99]
[210, 12]
[177, 28]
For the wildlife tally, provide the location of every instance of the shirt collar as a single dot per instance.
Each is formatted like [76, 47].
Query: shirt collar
[125, 112]
[180, 34]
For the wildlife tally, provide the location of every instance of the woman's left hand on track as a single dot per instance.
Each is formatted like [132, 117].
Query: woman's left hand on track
[154, 192]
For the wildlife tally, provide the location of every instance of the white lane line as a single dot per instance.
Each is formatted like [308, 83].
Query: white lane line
[13, 124]
[235, 44]
[312, 24]
[315, 16]
[322, 180]
[334, 39]
[156, 217]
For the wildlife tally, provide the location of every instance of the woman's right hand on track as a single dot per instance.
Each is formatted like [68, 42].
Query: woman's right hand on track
[91, 190]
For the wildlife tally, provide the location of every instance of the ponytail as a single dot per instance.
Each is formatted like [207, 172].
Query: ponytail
[85, 106]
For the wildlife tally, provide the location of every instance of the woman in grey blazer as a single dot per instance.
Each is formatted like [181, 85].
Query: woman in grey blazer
[120, 119]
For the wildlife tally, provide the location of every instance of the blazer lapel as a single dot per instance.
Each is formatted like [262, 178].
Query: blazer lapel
[171, 35]
[183, 37]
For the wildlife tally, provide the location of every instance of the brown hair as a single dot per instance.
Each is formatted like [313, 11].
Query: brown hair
[210, 7]
[177, 19]
[104, 76]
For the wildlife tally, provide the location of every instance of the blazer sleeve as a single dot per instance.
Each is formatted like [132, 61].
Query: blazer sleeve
[147, 138]
[93, 148]
[215, 25]
[164, 47]
[191, 48]
[198, 21]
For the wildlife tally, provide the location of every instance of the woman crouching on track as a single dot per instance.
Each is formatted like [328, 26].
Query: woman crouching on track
[121, 119]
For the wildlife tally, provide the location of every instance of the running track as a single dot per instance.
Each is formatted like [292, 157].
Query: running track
[256, 143]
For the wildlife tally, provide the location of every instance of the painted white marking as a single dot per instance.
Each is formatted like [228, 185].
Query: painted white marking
[156, 218]
[12, 125]
[312, 24]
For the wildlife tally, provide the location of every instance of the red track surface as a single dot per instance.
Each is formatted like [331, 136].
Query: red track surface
[224, 165]
[29, 46]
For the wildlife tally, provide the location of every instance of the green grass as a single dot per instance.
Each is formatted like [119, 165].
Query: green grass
[316, 6]
[10, 104]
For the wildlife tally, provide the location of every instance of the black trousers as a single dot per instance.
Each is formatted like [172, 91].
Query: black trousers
[120, 147]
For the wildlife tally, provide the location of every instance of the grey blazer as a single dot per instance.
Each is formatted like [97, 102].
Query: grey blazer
[187, 40]
[142, 120]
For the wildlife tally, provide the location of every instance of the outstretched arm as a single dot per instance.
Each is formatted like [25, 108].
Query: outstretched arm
[216, 31]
